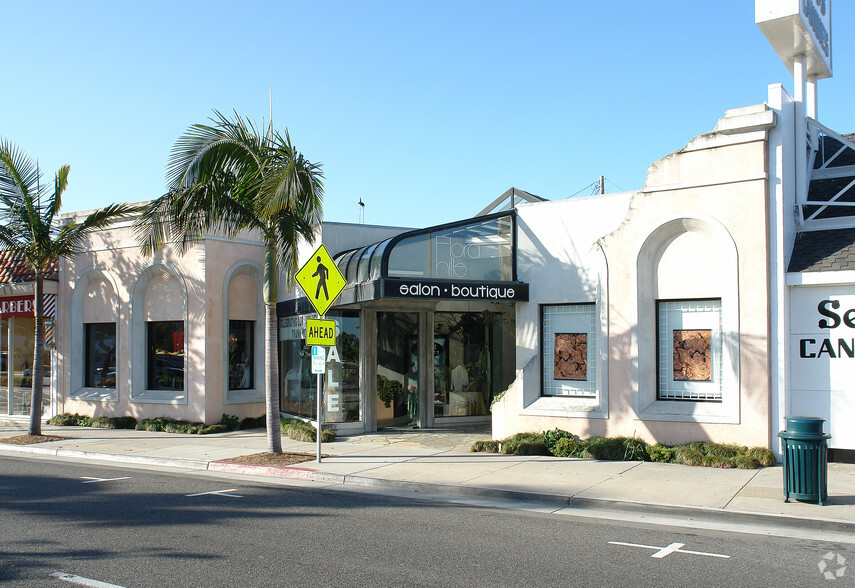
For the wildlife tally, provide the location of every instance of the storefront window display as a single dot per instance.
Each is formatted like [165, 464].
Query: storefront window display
[468, 366]
[298, 386]
[100, 355]
[165, 355]
[16, 360]
[397, 368]
[4, 366]
[241, 355]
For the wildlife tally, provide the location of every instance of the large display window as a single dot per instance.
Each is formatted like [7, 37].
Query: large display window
[298, 386]
[469, 370]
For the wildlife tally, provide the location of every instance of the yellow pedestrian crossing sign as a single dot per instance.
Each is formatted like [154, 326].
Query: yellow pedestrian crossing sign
[321, 280]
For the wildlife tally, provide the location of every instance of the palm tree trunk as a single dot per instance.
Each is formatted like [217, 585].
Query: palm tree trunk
[271, 354]
[38, 358]
[271, 379]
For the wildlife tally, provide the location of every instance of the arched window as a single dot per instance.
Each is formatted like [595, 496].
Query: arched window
[158, 336]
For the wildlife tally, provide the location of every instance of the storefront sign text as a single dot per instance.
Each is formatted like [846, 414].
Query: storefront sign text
[447, 290]
[817, 19]
[812, 348]
[16, 306]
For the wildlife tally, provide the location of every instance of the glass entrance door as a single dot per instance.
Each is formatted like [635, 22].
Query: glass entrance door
[397, 384]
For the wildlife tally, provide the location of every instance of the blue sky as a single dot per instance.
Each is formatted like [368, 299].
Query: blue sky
[427, 111]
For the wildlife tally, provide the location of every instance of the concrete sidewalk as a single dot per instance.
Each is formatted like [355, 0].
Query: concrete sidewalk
[437, 463]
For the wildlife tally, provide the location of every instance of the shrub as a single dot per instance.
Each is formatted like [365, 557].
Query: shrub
[763, 456]
[212, 429]
[616, 449]
[660, 453]
[569, 447]
[253, 423]
[303, 431]
[524, 444]
[488, 446]
[230, 422]
[551, 438]
[64, 420]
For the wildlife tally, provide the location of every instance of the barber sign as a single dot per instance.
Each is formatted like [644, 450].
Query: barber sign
[16, 306]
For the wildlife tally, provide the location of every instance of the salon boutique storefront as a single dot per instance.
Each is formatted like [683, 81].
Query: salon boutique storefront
[425, 329]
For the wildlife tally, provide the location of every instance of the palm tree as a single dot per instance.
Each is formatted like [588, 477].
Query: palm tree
[30, 228]
[226, 178]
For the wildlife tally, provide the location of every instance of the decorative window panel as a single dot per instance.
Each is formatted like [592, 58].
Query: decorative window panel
[689, 350]
[570, 350]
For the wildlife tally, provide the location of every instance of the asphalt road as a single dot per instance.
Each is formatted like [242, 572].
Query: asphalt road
[134, 528]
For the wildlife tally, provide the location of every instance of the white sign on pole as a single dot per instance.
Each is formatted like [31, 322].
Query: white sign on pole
[318, 359]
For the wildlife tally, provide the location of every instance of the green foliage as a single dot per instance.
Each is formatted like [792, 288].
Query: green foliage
[64, 420]
[660, 453]
[388, 389]
[718, 455]
[229, 422]
[488, 446]
[570, 447]
[763, 456]
[212, 429]
[551, 438]
[75, 420]
[253, 423]
[616, 449]
[497, 398]
[302, 431]
[524, 444]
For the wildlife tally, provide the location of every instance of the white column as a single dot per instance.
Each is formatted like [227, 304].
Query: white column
[810, 98]
[801, 128]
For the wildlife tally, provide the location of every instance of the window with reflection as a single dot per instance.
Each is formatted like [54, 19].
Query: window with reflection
[472, 361]
[481, 251]
[297, 384]
[99, 355]
[241, 355]
[165, 355]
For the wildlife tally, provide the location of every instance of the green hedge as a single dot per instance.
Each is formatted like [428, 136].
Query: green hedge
[303, 431]
[562, 443]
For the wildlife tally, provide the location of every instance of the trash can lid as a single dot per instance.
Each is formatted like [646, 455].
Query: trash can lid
[804, 424]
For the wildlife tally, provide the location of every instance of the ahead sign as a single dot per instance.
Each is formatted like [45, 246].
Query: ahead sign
[320, 332]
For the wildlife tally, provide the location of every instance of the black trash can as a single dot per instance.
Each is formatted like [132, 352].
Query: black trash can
[805, 449]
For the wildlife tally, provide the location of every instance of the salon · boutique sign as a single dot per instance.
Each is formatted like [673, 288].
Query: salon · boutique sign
[455, 290]
[16, 306]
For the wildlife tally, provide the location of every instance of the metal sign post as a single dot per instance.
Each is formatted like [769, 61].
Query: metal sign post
[318, 365]
[322, 282]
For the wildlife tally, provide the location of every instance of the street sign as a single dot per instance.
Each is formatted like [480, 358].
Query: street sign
[318, 359]
[321, 280]
[320, 332]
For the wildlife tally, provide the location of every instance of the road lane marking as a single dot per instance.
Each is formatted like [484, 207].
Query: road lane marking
[669, 549]
[91, 480]
[217, 492]
[83, 581]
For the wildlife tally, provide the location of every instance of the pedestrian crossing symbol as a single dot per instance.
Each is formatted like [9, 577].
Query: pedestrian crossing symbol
[321, 280]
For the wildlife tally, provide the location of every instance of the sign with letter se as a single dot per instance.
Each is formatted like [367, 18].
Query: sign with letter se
[320, 332]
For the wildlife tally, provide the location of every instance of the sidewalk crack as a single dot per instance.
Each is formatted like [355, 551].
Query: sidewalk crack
[741, 488]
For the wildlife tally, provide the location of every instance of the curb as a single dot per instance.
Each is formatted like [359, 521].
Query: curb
[557, 501]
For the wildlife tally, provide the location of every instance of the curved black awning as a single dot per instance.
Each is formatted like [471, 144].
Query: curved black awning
[473, 259]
